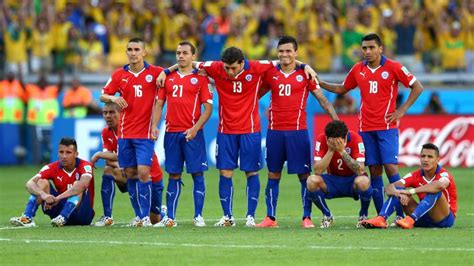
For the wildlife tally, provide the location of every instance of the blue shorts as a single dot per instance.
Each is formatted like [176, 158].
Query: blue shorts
[230, 147]
[288, 145]
[82, 215]
[156, 197]
[426, 221]
[178, 151]
[381, 146]
[339, 186]
[134, 152]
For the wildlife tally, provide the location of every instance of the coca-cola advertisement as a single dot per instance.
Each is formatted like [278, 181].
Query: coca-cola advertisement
[453, 134]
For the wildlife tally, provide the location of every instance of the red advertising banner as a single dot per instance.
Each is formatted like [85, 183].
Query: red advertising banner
[453, 134]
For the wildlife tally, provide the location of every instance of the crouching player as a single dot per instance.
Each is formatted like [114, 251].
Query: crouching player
[70, 199]
[436, 191]
[113, 174]
[341, 152]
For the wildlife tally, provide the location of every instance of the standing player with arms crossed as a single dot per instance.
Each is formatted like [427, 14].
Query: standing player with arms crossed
[113, 174]
[434, 187]
[287, 136]
[70, 200]
[135, 82]
[378, 77]
[184, 92]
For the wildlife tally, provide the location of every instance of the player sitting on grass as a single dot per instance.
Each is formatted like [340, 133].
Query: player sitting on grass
[341, 152]
[436, 191]
[70, 200]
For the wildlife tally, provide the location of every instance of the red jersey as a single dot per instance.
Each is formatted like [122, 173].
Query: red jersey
[140, 92]
[184, 93]
[109, 144]
[238, 97]
[378, 90]
[63, 180]
[417, 179]
[288, 99]
[354, 147]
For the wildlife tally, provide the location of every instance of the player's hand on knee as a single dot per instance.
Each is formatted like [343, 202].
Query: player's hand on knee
[404, 199]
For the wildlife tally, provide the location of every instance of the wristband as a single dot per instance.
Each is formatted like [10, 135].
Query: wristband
[412, 191]
[167, 71]
[303, 66]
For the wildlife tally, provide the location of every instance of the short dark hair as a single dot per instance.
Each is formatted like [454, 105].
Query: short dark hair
[288, 39]
[113, 105]
[372, 36]
[193, 49]
[336, 129]
[232, 55]
[431, 146]
[68, 141]
[137, 40]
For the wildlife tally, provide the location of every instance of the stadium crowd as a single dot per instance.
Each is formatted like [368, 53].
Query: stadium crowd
[80, 35]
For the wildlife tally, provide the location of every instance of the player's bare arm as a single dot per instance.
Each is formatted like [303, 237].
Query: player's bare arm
[320, 166]
[109, 156]
[191, 132]
[325, 104]
[77, 188]
[114, 99]
[332, 87]
[34, 189]
[157, 113]
[433, 187]
[415, 92]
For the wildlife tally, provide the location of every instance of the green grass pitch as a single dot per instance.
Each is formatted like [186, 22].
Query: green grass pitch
[289, 244]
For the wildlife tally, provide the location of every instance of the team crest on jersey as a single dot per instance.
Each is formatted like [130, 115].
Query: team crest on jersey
[385, 75]
[77, 176]
[299, 78]
[149, 78]
[248, 77]
[348, 150]
[194, 81]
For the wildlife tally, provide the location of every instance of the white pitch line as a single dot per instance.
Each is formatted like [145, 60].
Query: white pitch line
[231, 246]
[11, 228]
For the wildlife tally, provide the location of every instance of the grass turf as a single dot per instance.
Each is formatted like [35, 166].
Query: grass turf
[341, 244]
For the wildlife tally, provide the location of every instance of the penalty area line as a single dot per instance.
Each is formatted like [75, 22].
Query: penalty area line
[233, 246]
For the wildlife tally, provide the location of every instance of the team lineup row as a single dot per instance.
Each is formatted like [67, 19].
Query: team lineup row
[340, 154]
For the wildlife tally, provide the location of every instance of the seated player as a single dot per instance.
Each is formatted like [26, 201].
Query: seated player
[113, 174]
[69, 200]
[436, 191]
[341, 153]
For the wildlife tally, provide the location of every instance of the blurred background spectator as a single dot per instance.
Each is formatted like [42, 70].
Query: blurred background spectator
[434, 105]
[78, 101]
[81, 35]
[345, 104]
